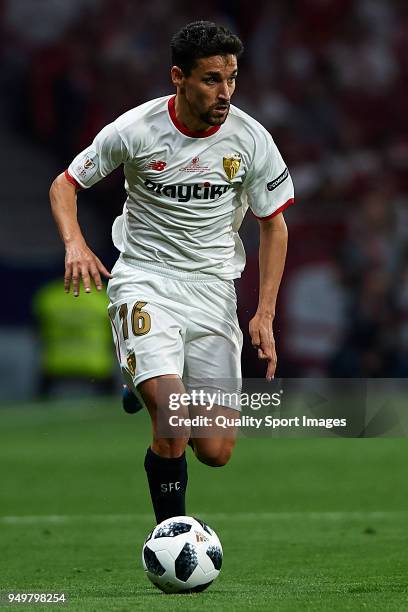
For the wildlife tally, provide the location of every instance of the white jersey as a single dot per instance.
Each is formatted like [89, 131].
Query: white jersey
[187, 192]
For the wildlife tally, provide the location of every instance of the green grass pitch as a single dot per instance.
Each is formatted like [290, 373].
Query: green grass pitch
[306, 524]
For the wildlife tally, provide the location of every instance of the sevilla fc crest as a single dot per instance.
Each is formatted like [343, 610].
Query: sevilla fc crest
[231, 164]
[131, 362]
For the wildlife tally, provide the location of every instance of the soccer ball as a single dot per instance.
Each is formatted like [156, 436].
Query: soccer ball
[182, 555]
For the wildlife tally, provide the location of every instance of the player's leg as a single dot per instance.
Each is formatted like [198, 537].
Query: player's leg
[213, 364]
[165, 461]
[148, 333]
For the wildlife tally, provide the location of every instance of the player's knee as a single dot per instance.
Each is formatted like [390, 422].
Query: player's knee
[215, 459]
[216, 456]
[168, 447]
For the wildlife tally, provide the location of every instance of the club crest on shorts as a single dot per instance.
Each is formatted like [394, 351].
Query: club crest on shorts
[131, 362]
[231, 164]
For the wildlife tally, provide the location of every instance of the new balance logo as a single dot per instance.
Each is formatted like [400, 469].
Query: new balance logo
[157, 165]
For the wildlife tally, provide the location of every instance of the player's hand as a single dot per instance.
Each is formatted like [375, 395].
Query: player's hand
[82, 263]
[260, 329]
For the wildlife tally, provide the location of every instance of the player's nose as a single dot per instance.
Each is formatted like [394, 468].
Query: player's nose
[223, 92]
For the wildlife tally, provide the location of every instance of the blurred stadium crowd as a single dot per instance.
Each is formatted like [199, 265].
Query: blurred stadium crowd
[328, 78]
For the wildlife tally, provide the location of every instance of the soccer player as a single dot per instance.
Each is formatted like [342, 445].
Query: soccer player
[193, 164]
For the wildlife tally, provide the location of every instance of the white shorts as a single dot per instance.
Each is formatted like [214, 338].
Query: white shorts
[166, 321]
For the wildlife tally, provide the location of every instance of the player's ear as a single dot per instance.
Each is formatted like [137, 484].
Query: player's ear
[177, 76]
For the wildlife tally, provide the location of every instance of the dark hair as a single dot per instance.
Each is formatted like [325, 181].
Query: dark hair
[202, 39]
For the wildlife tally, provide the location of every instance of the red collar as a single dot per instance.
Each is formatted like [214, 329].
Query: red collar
[183, 129]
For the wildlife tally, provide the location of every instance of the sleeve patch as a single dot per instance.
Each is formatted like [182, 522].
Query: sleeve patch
[86, 166]
[276, 182]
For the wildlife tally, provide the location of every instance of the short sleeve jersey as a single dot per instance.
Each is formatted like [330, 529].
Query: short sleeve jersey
[187, 192]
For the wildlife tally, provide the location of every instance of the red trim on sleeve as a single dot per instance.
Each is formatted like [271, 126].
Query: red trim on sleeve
[72, 180]
[276, 212]
[183, 129]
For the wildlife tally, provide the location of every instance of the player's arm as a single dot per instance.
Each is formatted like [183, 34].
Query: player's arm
[80, 261]
[272, 254]
[94, 163]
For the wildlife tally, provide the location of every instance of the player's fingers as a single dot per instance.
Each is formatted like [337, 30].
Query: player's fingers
[86, 279]
[67, 278]
[270, 372]
[102, 268]
[267, 344]
[267, 351]
[96, 277]
[75, 279]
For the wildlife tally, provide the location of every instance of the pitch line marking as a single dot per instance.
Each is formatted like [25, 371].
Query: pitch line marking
[213, 516]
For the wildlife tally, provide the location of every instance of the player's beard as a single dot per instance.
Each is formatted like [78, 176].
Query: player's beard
[210, 119]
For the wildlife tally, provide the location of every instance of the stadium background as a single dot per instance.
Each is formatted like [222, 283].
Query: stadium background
[328, 78]
[306, 523]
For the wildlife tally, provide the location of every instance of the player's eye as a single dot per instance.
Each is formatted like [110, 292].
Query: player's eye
[209, 80]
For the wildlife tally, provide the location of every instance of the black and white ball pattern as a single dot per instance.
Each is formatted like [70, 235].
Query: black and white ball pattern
[171, 530]
[152, 563]
[215, 554]
[186, 562]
